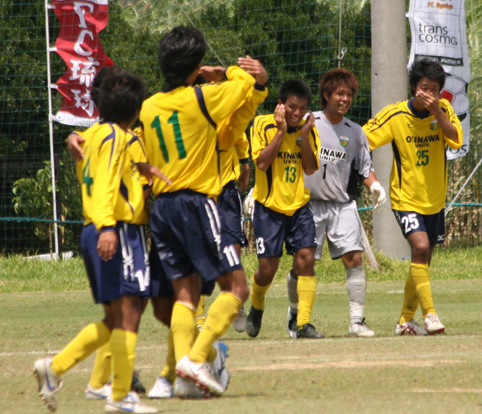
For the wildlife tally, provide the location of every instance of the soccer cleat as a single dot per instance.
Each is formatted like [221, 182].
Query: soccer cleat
[219, 365]
[162, 388]
[48, 383]
[291, 325]
[360, 330]
[309, 331]
[186, 388]
[200, 373]
[410, 328]
[101, 393]
[239, 324]
[131, 403]
[433, 326]
[136, 384]
[253, 322]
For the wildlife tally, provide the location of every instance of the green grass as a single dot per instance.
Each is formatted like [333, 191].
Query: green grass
[18, 274]
[43, 305]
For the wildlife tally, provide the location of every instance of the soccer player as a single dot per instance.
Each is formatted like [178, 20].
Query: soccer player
[284, 146]
[99, 386]
[419, 130]
[344, 159]
[112, 245]
[179, 126]
[234, 166]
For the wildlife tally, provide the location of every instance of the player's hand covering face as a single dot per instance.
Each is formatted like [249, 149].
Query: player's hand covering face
[427, 95]
[280, 117]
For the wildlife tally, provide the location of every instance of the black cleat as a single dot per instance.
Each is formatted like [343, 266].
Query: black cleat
[309, 331]
[253, 322]
[136, 384]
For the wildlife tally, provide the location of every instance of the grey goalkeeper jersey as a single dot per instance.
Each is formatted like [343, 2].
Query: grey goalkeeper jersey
[344, 158]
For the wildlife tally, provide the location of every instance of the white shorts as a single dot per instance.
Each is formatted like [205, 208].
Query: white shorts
[341, 225]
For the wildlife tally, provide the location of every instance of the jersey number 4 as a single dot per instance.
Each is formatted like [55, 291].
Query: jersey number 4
[174, 121]
[86, 177]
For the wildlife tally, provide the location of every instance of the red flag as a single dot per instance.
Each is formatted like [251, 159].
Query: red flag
[79, 46]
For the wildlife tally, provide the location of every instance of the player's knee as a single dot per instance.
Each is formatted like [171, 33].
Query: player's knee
[421, 252]
[241, 291]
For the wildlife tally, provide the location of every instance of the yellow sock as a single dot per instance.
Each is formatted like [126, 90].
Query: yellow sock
[183, 328]
[169, 370]
[306, 298]
[123, 348]
[92, 337]
[421, 279]
[258, 294]
[102, 367]
[200, 316]
[221, 314]
[212, 354]
[410, 300]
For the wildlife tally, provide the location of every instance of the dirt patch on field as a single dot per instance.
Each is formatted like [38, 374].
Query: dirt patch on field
[450, 390]
[343, 364]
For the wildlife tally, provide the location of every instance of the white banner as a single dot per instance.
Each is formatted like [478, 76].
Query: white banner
[438, 33]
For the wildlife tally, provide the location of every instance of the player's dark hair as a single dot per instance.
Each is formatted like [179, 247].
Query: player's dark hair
[294, 87]
[180, 52]
[120, 95]
[95, 90]
[334, 78]
[426, 68]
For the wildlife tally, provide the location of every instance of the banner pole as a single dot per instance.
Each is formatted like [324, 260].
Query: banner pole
[51, 135]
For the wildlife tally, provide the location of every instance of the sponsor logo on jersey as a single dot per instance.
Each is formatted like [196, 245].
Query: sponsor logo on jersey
[331, 155]
[422, 142]
[343, 141]
[288, 157]
[434, 125]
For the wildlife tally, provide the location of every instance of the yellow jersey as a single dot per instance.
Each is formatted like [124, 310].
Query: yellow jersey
[111, 185]
[179, 128]
[235, 126]
[282, 187]
[418, 181]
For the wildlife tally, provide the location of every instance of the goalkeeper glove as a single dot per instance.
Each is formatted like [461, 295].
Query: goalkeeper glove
[378, 194]
[248, 204]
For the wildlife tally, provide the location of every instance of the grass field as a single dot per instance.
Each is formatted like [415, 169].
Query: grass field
[271, 373]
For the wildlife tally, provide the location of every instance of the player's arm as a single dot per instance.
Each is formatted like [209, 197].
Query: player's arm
[308, 158]
[74, 145]
[222, 99]
[269, 153]
[243, 116]
[431, 103]
[105, 188]
[149, 171]
[378, 129]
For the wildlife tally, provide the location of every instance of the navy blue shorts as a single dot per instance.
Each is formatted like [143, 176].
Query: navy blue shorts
[230, 208]
[272, 229]
[127, 273]
[161, 286]
[186, 234]
[432, 224]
